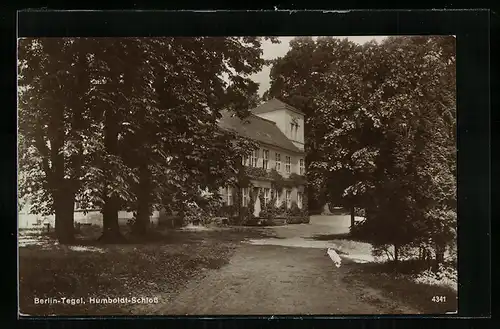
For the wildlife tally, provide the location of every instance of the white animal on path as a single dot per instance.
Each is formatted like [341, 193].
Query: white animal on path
[334, 256]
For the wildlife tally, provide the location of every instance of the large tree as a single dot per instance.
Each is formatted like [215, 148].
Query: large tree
[120, 122]
[325, 79]
[383, 134]
[53, 118]
[194, 79]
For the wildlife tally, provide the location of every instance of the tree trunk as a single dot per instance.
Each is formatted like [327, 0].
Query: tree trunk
[353, 218]
[64, 216]
[241, 209]
[62, 192]
[315, 206]
[427, 257]
[142, 218]
[111, 230]
[439, 256]
[63, 195]
[143, 201]
[238, 202]
[396, 254]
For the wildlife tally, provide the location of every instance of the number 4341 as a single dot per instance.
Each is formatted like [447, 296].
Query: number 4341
[439, 299]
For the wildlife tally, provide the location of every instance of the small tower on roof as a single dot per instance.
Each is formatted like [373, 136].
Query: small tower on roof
[287, 118]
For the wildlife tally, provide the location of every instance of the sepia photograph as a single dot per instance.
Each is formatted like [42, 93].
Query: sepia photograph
[231, 175]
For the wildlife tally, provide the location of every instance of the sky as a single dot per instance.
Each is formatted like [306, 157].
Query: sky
[272, 51]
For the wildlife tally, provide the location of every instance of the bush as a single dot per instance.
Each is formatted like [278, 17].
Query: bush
[282, 207]
[265, 214]
[251, 222]
[363, 231]
[383, 252]
[267, 222]
[282, 210]
[271, 210]
[360, 212]
[227, 211]
[236, 220]
[295, 220]
[452, 249]
[196, 215]
[445, 276]
[295, 210]
[246, 214]
[257, 222]
[169, 220]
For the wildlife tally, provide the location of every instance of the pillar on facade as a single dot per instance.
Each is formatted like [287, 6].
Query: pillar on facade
[257, 207]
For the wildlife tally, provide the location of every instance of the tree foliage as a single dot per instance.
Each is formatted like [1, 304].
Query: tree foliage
[380, 130]
[129, 123]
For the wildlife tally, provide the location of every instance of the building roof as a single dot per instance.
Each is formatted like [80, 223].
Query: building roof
[258, 129]
[274, 105]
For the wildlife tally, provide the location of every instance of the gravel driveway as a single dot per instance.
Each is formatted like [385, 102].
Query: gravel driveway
[290, 274]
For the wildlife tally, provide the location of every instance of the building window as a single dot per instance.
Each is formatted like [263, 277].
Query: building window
[294, 127]
[265, 159]
[299, 199]
[229, 193]
[245, 196]
[278, 161]
[245, 160]
[277, 196]
[302, 168]
[267, 196]
[288, 198]
[288, 164]
[254, 157]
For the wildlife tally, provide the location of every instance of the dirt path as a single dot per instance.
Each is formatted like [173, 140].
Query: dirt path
[279, 280]
[276, 279]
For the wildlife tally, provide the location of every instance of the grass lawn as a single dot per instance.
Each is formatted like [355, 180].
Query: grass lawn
[400, 286]
[159, 265]
[167, 262]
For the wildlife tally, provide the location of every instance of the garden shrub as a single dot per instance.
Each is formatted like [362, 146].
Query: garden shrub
[235, 220]
[267, 222]
[251, 222]
[169, 220]
[282, 210]
[265, 214]
[263, 207]
[295, 210]
[294, 220]
[383, 252]
[246, 215]
[360, 212]
[227, 211]
[271, 210]
[446, 276]
[195, 215]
